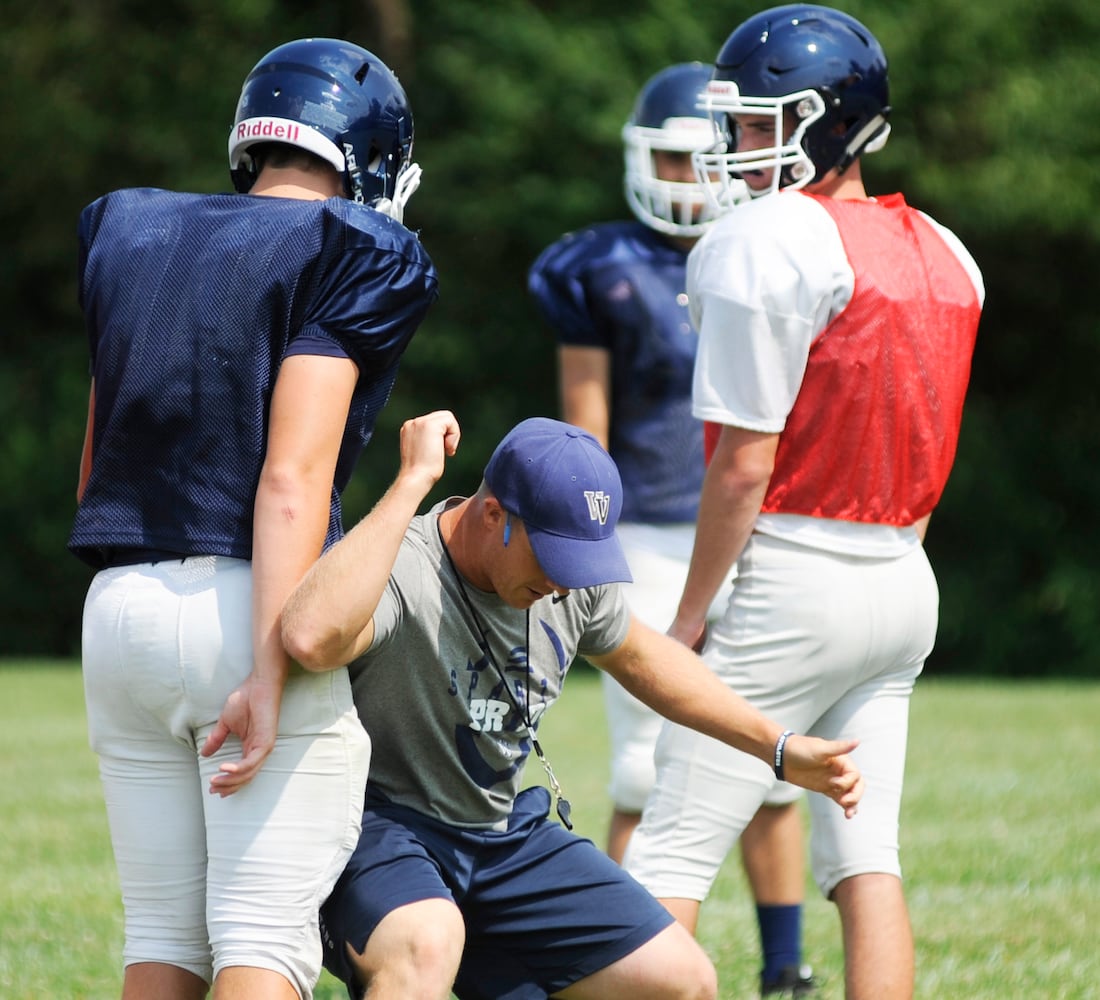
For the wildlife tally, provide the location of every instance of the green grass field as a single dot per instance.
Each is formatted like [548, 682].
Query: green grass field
[1000, 838]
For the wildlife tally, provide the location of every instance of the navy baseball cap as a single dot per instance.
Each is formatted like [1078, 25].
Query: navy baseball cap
[565, 488]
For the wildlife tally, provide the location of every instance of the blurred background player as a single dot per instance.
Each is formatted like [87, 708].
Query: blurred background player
[835, 339]
[614, 294]
[242, 346]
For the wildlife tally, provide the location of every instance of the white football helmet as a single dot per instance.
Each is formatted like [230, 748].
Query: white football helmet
[667, 117]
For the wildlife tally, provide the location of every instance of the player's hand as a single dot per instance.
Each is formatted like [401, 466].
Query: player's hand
[251, 713]
[824, 766]
[426, 444]
[691, 634]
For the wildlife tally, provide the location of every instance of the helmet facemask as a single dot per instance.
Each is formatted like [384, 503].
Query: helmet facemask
[386, 180]
[676, 208]
[408, 180]
[723, 167]
[668, 119]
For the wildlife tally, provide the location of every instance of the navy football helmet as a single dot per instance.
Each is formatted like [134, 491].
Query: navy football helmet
[822, 76]
[339, 102]
[667, 116]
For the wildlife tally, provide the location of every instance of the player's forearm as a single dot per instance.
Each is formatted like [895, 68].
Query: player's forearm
[718, 543]
[584, 376]
[728, 508]
[290, 523]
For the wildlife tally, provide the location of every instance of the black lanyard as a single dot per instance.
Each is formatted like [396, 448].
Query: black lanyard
[563, 807]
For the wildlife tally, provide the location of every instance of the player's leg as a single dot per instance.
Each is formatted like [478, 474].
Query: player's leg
[658, 556]
[620, 828]
[705, 795]
[633, 728]
[856, 862]
[878, 939]
[150, 782]
[773, 856]
[275, 848]
[243, 982]
[155, 979]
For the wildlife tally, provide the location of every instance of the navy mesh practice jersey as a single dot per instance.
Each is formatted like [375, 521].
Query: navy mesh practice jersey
[191, 303]
[620, 286]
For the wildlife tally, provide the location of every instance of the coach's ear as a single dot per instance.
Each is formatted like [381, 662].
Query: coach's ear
[493, 515]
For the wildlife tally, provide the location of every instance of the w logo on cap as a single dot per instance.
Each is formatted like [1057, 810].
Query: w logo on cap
[598, 505]
[538, 473]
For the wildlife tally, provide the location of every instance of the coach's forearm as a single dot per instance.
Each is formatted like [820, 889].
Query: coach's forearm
[328, 619]
[675, 682]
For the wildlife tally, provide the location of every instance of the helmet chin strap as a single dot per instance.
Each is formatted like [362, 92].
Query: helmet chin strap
[408, 180]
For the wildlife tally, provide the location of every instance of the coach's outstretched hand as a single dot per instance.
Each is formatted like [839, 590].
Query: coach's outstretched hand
[824, 766]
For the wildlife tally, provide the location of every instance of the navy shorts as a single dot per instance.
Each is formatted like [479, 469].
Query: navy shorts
[543, 907]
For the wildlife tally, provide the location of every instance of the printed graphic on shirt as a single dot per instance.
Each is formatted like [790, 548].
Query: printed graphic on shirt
[504, 707]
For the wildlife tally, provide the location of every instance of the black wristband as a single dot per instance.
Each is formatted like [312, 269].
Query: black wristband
[779, 745]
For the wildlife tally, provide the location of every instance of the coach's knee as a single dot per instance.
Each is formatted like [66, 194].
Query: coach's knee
[683, 967]
[703, 984]
[695, 979]
[414, 951]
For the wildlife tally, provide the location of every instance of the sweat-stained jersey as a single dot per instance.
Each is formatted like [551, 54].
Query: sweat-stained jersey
[846, 327]
[191, 303]
[619, 286]
[448, 739]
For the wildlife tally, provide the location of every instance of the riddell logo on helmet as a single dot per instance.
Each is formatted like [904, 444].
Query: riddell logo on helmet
[351, 164]
[268, 129]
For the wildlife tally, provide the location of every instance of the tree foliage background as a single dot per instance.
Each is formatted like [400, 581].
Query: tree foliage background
[518, 107]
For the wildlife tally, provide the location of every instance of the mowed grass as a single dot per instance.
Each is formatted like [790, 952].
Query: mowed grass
[1000, 842]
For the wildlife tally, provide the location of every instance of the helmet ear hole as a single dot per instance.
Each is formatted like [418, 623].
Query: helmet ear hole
[361, 73]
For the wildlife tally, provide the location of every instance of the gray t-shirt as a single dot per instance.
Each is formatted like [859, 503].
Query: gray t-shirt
[448, 740]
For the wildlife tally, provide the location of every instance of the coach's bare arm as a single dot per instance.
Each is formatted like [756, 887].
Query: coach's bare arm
[329, 618]
[675, 682]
